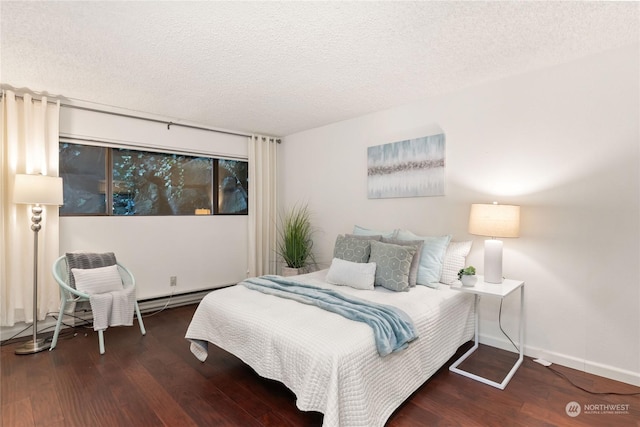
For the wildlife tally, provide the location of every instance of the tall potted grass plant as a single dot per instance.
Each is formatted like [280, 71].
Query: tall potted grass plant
[295, 240]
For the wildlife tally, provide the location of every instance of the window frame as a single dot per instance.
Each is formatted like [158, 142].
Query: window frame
[109, 147]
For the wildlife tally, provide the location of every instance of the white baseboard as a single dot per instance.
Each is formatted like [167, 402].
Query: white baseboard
[587, 366]
[149, 306]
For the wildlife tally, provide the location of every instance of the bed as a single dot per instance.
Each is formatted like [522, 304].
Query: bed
[329, 362]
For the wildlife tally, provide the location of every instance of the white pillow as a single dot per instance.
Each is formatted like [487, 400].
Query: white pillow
[97, 280]
[358, 275]
[455, 258]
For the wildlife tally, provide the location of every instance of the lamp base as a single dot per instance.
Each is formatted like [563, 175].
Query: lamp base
[31, 346]
[493, 261]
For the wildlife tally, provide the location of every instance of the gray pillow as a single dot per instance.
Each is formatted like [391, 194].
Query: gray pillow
[393, 263]
[363, 237]
[415, 262]
[87, 260]
[352, 249]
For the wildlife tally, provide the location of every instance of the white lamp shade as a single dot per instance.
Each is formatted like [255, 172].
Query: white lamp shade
[38, 190]
[494, 220]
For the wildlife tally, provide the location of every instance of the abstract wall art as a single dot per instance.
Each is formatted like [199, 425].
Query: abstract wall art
[411, 168]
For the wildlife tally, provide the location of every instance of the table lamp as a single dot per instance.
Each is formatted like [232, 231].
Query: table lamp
[494, 220]
[36, 190]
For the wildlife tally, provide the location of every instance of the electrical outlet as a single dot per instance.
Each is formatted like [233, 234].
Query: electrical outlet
[173, 281]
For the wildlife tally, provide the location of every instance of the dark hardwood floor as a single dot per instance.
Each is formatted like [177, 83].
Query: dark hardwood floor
[156, 381]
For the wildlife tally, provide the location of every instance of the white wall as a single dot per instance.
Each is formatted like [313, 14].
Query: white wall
[203, 251]
[563, 143]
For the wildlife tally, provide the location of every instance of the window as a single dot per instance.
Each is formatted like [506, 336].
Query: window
[119, 181]
[83, 169]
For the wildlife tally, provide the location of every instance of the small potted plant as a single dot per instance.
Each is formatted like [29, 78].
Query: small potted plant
[468, 276]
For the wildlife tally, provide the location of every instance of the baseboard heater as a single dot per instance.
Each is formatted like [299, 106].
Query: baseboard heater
[176, 300]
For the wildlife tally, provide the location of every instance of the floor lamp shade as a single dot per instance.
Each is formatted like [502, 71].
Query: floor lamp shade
[36, 190]
[494, 220]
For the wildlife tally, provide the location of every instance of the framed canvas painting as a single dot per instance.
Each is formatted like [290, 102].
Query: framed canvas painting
[411, 168]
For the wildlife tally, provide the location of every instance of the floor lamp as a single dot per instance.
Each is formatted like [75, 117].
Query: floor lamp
[494, 220]
[36, 190]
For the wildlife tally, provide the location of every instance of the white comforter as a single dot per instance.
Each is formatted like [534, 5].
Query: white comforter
[329, 362]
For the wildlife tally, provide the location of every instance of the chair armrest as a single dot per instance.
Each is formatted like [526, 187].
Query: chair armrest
[128, 279]
[61, 281]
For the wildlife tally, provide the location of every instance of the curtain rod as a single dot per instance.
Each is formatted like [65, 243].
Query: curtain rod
[148, 119]
[145, 147]
[131, 116]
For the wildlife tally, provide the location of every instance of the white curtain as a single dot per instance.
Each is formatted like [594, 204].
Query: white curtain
[262, 205]
[29, 132]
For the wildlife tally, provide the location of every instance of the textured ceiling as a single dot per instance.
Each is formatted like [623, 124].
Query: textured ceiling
[282, 67]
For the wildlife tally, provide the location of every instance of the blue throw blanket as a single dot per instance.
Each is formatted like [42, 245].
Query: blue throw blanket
[392, 327]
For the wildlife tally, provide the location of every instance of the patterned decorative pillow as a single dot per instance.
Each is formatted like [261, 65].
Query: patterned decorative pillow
[455, 258]
[97, 280]
[393, 263]
[357, 275]
[432, 256]
[87, 260]
[415, 262]
[352, 249]
[361, 231]
[377, 237]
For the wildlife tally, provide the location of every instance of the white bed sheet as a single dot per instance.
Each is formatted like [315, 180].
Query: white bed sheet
[329, 362]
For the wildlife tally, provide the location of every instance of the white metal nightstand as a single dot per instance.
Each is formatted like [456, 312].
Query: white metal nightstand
[500, 290]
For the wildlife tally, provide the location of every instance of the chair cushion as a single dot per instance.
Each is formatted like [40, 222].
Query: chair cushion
[98, 280]
[87, 260]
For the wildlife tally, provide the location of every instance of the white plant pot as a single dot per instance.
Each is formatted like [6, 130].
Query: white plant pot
[290, 271]
[469, 280]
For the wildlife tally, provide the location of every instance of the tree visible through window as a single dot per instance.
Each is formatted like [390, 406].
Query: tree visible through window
[232, 186]
[134, 182]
